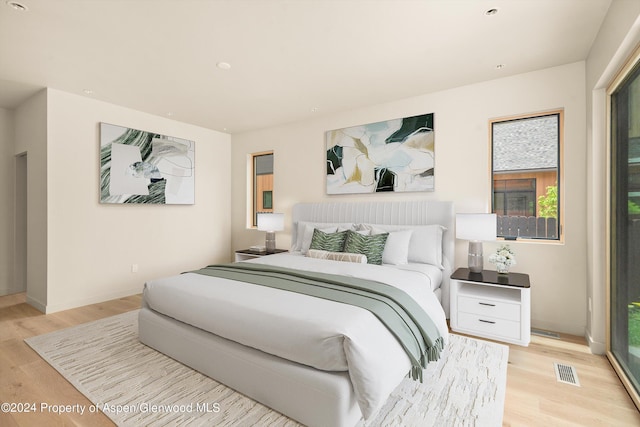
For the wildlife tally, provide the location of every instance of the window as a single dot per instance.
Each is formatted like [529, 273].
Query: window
[514, 197]
[262, 200]
[525, 170]
[624, 231]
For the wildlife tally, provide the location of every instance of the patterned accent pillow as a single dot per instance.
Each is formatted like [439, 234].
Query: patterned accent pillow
[371, 246]
[332, 242]
[304, 232]
[425, 245]
[338, 256]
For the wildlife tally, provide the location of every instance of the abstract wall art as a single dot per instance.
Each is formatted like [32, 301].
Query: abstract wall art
[145, 167]
[394, 155]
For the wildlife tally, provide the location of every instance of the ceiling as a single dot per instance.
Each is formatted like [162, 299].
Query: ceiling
[290, 59]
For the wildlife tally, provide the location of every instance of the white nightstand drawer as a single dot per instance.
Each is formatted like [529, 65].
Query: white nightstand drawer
[489, 325]
[489, 307]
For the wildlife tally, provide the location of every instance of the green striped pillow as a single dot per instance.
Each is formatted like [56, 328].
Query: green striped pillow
[332, 242]
[371, 246]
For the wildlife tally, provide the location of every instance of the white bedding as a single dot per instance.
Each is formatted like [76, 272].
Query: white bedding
[320, 333]
[433, 275]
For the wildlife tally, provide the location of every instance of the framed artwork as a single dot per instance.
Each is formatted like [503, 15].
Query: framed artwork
[394, 155]
[144, 167]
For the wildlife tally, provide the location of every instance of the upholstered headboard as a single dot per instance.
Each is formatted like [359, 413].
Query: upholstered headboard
[392, 213]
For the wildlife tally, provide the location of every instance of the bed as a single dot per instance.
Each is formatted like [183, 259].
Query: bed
[320, 362]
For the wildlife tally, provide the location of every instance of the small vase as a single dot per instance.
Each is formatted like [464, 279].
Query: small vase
[502, 269]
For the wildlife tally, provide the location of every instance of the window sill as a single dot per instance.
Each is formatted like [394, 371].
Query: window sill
[538, 241]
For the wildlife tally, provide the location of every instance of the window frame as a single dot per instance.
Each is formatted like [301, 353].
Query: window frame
[559, 171]
[252, 188]
[611, 222]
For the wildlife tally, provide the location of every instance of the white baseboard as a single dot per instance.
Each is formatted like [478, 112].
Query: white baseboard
[38, 305]
[53, 308]
[595, 346]
[554, 327]
[9, 290]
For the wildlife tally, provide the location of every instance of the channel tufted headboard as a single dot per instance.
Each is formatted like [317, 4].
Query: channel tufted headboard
[396, 213]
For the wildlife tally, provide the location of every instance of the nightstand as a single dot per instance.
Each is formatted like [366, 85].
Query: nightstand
[491, 305]
[247, 254]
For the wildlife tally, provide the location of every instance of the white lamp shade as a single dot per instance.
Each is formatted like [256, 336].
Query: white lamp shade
[480, 227]
[271, 221]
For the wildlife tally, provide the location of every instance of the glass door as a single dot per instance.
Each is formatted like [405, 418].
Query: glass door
[624, 321]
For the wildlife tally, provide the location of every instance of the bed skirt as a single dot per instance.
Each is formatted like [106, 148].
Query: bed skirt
[308, 395]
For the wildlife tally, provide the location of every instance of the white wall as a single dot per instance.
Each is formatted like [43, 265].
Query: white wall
[558, 271]
[30, 121]
[91, 247]
[7, 178]
[617, 38]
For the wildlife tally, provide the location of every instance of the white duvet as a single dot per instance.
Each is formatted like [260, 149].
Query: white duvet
[320, 333]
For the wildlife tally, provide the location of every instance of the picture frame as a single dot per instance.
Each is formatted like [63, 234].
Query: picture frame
[390, 156]
[140, 167]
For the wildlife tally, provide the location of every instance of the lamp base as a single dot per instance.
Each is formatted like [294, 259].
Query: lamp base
[475, 259]
[270, 242]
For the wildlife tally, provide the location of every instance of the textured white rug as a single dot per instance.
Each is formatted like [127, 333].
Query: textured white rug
[135, 385]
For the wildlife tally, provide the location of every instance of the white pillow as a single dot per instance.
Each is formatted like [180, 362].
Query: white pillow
[369, 229]
[425, 244]
[396, 249]
[337, 256]
[366, 232]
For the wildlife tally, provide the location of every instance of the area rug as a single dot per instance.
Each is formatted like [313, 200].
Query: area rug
[135, 385]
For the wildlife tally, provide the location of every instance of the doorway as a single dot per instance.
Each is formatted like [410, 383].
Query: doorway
[20, 262]
[624, 292]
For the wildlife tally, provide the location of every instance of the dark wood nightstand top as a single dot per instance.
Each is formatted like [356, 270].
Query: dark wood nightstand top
[517, 280]
[265, 252]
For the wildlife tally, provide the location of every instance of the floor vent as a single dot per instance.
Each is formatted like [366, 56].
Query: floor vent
[545, 333]
[566, 374]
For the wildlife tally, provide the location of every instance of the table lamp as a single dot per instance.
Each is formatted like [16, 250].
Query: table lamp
[476, 228]
[270, 222]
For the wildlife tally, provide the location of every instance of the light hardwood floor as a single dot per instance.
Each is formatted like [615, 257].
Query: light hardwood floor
[534, 397]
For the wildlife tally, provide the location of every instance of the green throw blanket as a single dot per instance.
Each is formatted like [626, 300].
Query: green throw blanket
[401, 314]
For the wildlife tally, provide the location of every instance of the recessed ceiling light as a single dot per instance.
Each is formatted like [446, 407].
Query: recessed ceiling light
[223, 65]
[491, 12]
[17, 6]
